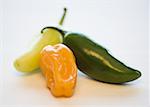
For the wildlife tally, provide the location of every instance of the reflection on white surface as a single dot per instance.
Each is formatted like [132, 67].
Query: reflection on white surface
[31, 89]
[119, 25]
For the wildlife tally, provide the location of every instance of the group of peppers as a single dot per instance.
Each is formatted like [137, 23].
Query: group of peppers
[59, 54]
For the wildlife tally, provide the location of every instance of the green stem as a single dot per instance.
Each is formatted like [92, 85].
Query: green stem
[60, 23]
[63, 17]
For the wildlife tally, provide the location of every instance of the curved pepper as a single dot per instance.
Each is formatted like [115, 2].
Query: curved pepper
[29, 61]
[59, 68]
[96, 62]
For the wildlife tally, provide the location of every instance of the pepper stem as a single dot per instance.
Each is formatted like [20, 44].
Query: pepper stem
[63, 17]
[60, 22]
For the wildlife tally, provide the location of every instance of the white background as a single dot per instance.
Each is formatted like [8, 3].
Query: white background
[119, 25]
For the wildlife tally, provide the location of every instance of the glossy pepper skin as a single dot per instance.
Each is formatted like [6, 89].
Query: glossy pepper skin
[59, 68]
[95, 61]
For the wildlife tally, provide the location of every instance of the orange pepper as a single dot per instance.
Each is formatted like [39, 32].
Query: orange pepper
[59, 68]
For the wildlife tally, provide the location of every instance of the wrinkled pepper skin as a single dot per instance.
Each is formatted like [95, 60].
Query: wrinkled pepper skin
[95, 61]
[59, 68]
[29, 61]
